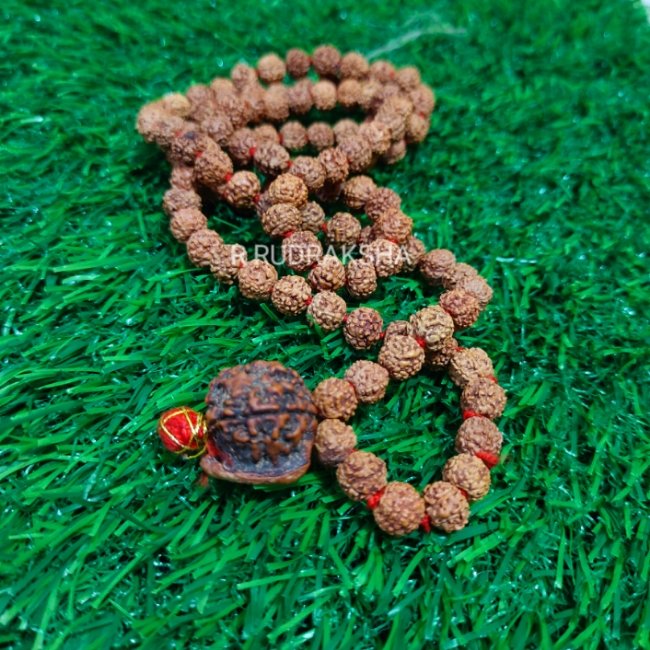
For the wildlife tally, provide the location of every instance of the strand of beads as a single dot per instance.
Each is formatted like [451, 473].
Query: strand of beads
[213, 134]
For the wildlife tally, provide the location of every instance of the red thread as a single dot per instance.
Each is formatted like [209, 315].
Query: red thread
[373, 501]
[382, 335]
[324, 228]
[425, 523]
[459, 348]
[308, 301]
[251, 152]
[354, 388]
[198, 154]
[493, 379]
[470, 414]
[488, 458]
[280, 138]
[288, 234]
[463, 492]
[227, 177]
[256, 198]
[345, 318]
[314, 265]
[420, 341]
[289, 164]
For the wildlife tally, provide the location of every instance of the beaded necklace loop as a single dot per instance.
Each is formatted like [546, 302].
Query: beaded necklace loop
[218, 138]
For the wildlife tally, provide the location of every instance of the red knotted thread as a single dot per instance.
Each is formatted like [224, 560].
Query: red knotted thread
[373, 501]
[251, 151]
[420, 341]
[425, 524]
[463, 492]
[470, 414]
[227, 177]
[488, 458]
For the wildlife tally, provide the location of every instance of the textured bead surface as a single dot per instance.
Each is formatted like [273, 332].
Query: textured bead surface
[334, 441]
[348, 93]
[299, 97]
[363, 328]
[361, 278]
[271, 68]
[328, 310]
[335, 398]
[385, 256]
[354, 66]
[377, 135]
[288, 188]
[357, 190]
[361, 475]
[423, 99]
[433, 325]
[301, 250]
[326, 60]
[311, 172]
[335, 163]
[343, 229]
[175, 199]
[446, 506]
[297, 63]
[257, 279]
[182, 177]
[293, 136]
[323, 94]
[241, 145]
[382, 200]
[242, 75]
[219, 127]
[187, 146]
[460, 272]
[345, 127]
[394, 226]
[280, 219]
[187, 221]
[399, 328]
[439, 359]
[468, 473]
[312, 217]
[463, 307]
[370, 380]
[357, 151]
[467, 364]
[400, 509]
[266, 133]
[226, 262]
[276, 103]
[213, 167]
[271, 158]
[483, 397]
[328, 274]
[437, 265]
[291, 295]
[242, 188]
[401, 356]
[478, 287]
[413, 251]
[478, 434]
[320, 135]
[201, 245]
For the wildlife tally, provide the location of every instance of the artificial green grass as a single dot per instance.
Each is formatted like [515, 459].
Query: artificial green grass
[535, 170]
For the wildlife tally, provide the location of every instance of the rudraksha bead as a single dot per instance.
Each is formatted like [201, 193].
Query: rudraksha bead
[437, 265]
[301, 250]
[328, 274]
[484, 397]
[433, 325]
[446, 506]
[335, 398]
[400, 509]
[469, 474]
[288, 188]
[328, 310]
[201, 245]
[343, 230]
[242, 188]
[363, 328]
[361, 475]
[175, 200]
[381, 201]
[334, 441]
[467, 364]
[257, 279]
[291, 295]
[361, 278]
[280, 219]
[401, 356]
[478, 434]
[386, 257]
[357, 190]
[187, 221]
[227, 261]
[369, 379]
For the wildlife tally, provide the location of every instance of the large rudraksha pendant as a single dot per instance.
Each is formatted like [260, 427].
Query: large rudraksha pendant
[260, 424]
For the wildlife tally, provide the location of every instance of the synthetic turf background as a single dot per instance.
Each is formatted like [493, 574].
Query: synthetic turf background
[535, 170]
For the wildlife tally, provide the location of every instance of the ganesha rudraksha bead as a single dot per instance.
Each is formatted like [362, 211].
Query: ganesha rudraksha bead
[261, 423]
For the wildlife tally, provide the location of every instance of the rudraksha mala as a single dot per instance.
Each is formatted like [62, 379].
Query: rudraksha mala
[213, 135]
